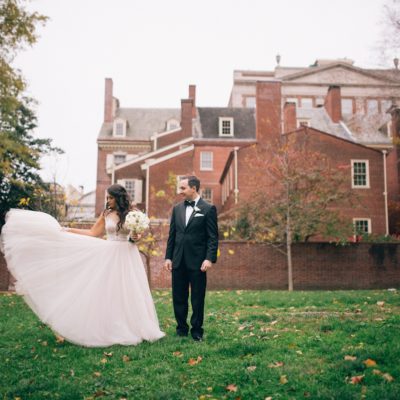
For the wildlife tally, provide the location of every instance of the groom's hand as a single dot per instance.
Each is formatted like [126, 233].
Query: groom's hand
[206, 265]
[168, 265]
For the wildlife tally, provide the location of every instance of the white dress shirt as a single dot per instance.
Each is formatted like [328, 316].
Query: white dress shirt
[189, 209]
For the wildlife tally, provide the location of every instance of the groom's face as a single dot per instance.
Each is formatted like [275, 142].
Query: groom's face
[187, 192]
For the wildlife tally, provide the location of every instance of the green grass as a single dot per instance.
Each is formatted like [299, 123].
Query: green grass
[265, 343]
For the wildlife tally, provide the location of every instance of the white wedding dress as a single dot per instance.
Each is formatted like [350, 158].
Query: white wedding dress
[91, 291]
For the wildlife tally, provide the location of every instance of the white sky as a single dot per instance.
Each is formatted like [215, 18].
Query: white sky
[153, 49]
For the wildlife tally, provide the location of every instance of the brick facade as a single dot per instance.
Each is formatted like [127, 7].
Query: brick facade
[316, 266]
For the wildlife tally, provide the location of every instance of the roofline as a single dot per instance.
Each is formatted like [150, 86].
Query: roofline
[152, 153]
[307, 128]
[150, 163]
[162, 134]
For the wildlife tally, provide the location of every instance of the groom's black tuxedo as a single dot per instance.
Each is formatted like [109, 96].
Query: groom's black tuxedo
[195, 242]
[188, 246]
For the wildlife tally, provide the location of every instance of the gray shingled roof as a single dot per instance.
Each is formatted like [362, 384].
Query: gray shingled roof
[362, 129]
[208, 124]
[142, 122]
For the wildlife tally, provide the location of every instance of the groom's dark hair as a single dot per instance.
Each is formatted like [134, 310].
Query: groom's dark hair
[192, 181]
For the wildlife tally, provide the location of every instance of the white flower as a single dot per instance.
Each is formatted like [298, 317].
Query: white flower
[196, 209]
[136, 222]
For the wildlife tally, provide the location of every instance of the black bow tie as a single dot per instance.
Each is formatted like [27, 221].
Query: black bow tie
[190, 203]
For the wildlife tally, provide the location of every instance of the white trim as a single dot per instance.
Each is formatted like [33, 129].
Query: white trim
[167, 157]
[366, 186]
[221, 121]
[201, 161]
[363, 219]
[153, 153]
[385, 192]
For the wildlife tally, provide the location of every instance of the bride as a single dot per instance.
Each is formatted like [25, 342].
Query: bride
[90, 291]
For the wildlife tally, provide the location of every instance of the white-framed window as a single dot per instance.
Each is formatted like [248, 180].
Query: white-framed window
[360, 174]
[306, 102]
[372, 106]
[347, 106]
[119, 158]
[362, 226]
[206, 161]
[207, 194]
[225, 126]
[302, 122]
[250, 102]
[119, 128]
[134, 189]
[172, 124]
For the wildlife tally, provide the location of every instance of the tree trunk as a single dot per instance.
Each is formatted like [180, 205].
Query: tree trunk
[289, 253]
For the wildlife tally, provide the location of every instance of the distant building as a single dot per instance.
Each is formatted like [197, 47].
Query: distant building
[79, 206]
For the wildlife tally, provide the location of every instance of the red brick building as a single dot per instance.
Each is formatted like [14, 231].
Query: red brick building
[139, 148]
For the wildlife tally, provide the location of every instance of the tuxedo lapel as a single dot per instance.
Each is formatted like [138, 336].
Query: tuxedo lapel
[182, 214]
[198, 205]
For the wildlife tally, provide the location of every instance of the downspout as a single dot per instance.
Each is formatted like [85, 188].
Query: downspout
[236, 190]
[385, 194]
[147, 186]
[113, 174]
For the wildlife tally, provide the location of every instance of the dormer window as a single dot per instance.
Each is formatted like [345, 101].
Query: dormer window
[225, 126]
[172, 124]
[119, 129]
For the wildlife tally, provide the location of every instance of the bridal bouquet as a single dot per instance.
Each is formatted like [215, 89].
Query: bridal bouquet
[136, 222]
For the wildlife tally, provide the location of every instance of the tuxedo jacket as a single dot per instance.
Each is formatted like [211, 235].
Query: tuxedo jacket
[195, 242]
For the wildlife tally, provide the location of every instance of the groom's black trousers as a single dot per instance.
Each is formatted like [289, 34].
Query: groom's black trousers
[182, 279]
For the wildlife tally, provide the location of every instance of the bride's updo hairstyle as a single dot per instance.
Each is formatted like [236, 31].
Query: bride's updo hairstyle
[122, 202]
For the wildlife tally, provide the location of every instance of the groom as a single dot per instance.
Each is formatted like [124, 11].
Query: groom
[191, 249]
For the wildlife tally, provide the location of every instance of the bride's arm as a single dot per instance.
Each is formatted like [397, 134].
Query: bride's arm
[97, 230]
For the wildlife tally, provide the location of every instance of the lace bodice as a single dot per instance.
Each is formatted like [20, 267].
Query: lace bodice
[111, 221]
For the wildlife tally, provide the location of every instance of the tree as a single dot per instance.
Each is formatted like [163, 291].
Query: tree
[295, 194]
[390, 38]
[20, 151]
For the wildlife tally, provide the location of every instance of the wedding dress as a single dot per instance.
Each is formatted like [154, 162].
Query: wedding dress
[91, 291]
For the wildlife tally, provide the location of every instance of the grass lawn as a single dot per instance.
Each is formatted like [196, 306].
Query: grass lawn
[258, 345]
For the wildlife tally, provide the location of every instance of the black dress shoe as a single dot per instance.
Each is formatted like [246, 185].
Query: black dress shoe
[197, 337]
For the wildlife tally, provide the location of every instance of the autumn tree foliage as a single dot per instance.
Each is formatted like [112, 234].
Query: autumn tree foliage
[296, 196]
[20, 151]
[389, 44]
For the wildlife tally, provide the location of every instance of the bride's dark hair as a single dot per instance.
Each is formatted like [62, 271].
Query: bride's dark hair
[122, 202]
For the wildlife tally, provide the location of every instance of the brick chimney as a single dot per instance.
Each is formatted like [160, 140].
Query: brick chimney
[269, 110]
[333, 103]
[395, 125]
[108, 100]
[289, 117]
[192, 96]
[186, 116]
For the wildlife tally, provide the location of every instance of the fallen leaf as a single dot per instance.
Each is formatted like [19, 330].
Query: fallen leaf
[99, 393]
[251, 368]
[388, 377]
[268, 398]
[276, 364]
[369, 363]
[354, 380]
[103, 360]
[177, 354]
[350, 358]
[193, 361]
[299, 352]
[59, 339]
[108, 354]
[231, 388]
[231, 252]
[44, 343]
[283, 380]
[376, 372]
[126, 358]
[380, 303]
[96, 374]
[273, 322]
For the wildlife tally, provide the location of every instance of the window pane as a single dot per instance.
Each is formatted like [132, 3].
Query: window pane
[207, 194]
[130, 188]
[306, 102]
[250, 102]
[361, 226]
[226, 127]
[119, 158]
[119, 129]
[206, 160]
[360, 174]
[347, 106]
[372, 106]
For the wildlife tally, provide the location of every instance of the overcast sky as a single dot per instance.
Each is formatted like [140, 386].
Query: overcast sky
[153, 49]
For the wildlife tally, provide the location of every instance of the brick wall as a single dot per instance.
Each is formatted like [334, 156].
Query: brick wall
[243, 265]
